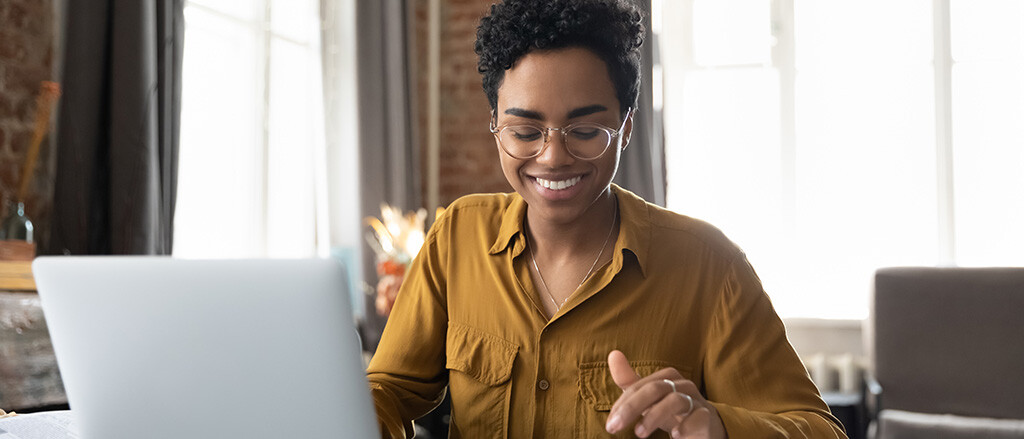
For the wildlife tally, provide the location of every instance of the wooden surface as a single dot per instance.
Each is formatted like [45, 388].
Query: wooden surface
[16, 276]
[17, 250]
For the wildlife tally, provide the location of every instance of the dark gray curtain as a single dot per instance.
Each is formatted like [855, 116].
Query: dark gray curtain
[388, 151]
[117, 140]
[642, 168]
[388, 156]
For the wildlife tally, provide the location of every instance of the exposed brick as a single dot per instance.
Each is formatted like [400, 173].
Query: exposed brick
[19, 142]
[10, 172]
[12, 47]
[24, 108]
[469, 161]
[26, 58]
[17, 14]
[8, 102]
[17, 107]
[23, 79]
[36, 19]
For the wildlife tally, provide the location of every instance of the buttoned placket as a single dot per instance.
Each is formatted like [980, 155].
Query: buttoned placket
[547, 373]
[544, 374]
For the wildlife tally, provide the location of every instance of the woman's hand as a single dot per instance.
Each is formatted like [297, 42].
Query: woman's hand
[663, 400]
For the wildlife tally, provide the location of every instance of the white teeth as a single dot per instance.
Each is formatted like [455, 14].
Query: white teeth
[559, 185]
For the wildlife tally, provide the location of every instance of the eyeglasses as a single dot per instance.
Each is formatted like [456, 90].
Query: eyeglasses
[583, 140]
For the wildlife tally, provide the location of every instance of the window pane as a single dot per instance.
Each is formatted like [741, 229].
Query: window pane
[865, 179]
[245, 10]
[218, 197]
[724, 165]
[865, 169]
[988, 157]
[729, 32]
[884, 31]
[295, 19]
[857, 191]
[714, 154]
[291, 224]
[987, 29]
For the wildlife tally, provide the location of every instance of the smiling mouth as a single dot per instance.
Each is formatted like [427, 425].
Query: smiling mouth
[559, 185]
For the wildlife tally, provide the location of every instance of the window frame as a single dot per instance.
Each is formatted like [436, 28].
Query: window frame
[784, 61]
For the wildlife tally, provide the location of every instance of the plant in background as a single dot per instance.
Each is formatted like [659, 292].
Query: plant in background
[396, 239]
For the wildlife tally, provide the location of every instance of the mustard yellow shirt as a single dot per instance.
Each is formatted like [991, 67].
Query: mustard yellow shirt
[676, 293]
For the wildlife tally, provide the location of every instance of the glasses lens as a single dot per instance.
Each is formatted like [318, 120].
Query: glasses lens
[587, 141]
[521, 140]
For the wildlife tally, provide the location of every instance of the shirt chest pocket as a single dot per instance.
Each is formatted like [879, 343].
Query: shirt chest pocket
[479, 379]
[598, 393]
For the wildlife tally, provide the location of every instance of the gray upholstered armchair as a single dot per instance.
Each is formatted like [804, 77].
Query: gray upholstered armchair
[947, 347]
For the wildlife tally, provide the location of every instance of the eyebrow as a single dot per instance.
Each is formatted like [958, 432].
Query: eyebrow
[578, 112]
[583, 111]
[515, 111]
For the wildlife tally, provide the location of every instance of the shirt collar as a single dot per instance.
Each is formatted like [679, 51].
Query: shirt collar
[511, 226]
[634, 230]
[635, 226]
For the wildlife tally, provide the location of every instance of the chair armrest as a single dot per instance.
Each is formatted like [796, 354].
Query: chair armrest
[872, 396]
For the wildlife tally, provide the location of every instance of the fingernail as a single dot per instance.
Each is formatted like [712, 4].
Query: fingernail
[613, 425]
[676, 434]
[641, 431]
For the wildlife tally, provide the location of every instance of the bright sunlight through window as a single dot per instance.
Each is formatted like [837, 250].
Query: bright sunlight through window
[829, 139]
[251, 102]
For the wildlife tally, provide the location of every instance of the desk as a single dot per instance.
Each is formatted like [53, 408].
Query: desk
[28, 369]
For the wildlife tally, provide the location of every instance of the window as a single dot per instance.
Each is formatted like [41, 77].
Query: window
[251, 130]
[832, 138]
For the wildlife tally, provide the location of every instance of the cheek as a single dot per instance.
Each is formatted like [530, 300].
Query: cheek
[509, 167]
[612, 164]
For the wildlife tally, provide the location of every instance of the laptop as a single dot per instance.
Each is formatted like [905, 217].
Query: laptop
[155, 347]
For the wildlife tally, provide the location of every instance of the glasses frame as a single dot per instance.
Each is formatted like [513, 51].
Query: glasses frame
[612, 135]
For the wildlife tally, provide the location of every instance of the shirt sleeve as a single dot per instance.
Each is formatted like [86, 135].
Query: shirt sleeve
[407, 373]
[753, 376]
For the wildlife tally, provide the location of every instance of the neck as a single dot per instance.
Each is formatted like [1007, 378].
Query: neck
[565, 239]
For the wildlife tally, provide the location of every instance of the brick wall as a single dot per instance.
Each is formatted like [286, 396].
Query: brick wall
[27, 47]
[468, 157]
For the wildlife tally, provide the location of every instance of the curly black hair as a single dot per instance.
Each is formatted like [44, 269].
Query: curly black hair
[612, 29]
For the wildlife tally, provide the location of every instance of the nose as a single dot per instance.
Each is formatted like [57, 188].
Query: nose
[554, 153]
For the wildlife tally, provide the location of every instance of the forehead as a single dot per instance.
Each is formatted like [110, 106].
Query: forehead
[553, 82]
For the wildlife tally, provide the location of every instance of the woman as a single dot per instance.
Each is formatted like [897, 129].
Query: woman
[573, 308]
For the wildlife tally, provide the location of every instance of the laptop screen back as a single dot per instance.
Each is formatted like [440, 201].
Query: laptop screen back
[153, 347]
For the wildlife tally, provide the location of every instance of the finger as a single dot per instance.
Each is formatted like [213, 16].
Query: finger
[665, 414]
[625, 377]
[696, 425]
[667, 373]
[635, 402]
[622, 373]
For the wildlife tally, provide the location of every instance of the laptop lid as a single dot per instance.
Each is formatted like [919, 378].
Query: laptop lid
[154, 347]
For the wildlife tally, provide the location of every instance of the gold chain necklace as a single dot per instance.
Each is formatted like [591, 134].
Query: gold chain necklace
[533, 257]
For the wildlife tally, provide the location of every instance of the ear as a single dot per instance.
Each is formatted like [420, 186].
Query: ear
[627, 128]
[491, 125]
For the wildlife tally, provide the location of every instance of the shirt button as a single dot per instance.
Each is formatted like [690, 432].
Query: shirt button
[544, 385]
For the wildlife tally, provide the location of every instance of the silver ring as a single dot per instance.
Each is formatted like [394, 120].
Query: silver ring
[688, 398]
[673, 384]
